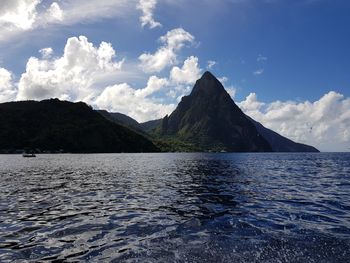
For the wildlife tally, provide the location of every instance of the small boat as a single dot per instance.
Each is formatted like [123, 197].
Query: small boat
[28, 155]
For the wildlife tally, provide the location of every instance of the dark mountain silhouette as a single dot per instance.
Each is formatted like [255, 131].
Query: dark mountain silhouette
[125, 120]
[210, 120]
[148, 126]
[52, 125]
[122, 119]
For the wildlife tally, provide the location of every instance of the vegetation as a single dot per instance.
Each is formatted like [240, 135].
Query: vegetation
[54, 125]
[209, 120]
[172, 144]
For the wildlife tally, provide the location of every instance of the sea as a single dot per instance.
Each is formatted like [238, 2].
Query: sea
[175, 207]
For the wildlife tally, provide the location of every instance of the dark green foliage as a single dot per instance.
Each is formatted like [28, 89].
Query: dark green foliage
[52, 125]
[172, 144]
[124, 120]
[121, 119]
[149, 126]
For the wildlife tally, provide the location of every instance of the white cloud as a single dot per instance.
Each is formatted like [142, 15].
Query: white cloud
[46, 52]
[19, 14]
[258, 72]
[154, 84]
[7, 89]
[231, 91]
[176, 38]
[211, 64]
[147, 7]
[74, 76]
[157, 62]
[251, 103]
[134, 102]
[80, 75]
[223, 79]
[55, 12]
[324, 123]
[189, 72]
[166, 55]
[90, 10]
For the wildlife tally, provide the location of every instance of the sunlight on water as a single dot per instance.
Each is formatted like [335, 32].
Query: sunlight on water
[175, 208]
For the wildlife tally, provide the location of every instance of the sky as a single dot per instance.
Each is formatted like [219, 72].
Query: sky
[285, 63]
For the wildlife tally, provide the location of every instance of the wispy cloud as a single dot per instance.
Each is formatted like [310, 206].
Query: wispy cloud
[20, 16]
[258, 72]
[211, 64]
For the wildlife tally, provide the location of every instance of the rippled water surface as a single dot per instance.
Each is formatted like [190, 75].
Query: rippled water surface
[175, 208]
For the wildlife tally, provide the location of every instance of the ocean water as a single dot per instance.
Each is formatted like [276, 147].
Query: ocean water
[181, 207]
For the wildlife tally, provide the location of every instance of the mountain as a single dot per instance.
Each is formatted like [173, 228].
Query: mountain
[146, 129]
[125, 120]
[279, 143]
[52, 125]
[148, 126]
[210, 120]
[122, 119]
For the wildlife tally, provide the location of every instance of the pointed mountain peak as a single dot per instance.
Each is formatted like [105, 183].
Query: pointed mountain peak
[208, 75]
[208, 83]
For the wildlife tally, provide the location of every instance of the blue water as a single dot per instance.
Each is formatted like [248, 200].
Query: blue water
[175, 208]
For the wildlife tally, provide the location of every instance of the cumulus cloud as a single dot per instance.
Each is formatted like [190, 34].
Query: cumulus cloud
[189, 72]
[80, 75]
[251, 103]
[147, 7]
[154, 84]
[7, 88]
[46, 52]
[324, 123]
[166, 55]
[135, 102]
[142, 104]
[74, 76]
[54, 12]
[19, 14]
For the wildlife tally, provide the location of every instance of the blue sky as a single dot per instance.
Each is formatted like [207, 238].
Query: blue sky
[284, 62]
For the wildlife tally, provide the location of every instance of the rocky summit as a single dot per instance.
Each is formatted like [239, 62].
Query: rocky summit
[209, 119]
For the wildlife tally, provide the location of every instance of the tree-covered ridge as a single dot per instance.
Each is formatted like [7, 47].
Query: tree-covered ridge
[53, 125]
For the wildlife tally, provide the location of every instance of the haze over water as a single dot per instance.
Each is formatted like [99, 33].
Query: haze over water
[266, 207]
